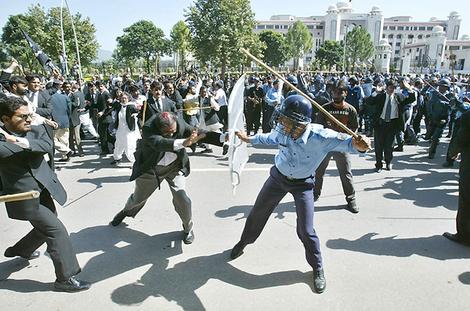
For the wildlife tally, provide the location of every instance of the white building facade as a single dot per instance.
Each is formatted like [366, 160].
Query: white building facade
[399, 31]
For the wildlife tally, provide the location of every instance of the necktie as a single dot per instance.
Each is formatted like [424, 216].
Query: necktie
[388, 110]
[159, 105]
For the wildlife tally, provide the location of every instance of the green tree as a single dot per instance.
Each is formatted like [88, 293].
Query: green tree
[142, 40]
[275, 51]
[299, 41]
[44, 29]
[219, 29]
[359, 47]
[330, 54]
[180, 42]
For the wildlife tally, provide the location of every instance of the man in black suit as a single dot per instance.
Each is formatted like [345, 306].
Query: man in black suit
[22, 168]
[157, 101]
[462, 146]
[161, 155]
[387, 120]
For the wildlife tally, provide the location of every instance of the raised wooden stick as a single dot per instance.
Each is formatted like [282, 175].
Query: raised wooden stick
[314, 103]
[33, 194]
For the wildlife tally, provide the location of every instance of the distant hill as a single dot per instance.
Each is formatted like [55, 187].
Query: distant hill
[103, 55]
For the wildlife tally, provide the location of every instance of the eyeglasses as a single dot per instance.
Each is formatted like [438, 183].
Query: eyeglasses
[25, 116]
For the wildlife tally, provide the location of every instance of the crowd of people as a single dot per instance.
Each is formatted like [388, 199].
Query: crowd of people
[151, 121]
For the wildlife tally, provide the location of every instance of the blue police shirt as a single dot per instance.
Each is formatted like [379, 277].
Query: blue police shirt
[300, 158]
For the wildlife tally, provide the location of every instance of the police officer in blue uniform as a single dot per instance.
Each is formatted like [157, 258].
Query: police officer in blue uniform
[302, 147]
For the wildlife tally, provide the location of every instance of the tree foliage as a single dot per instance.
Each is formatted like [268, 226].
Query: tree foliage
[299, 41]
[44, 29]
[219, 29]
[141, 40]
[180, 41]
[275, 51]
[359, 47]
[330, 54]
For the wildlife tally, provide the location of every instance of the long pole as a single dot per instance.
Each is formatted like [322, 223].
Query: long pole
[64, 55]
[33, 194]
[76, 42]
[314, 103]
[344, 47]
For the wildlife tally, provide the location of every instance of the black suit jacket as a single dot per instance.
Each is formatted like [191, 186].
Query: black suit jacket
[152, 147]
[167, 106]
[25, 169]
[378, 102]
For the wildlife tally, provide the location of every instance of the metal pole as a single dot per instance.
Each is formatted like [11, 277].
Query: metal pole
[344, 47]
[64, 54]
[76, 42]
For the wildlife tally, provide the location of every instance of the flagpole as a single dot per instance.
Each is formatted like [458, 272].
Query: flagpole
[62, 35]
[76, 42]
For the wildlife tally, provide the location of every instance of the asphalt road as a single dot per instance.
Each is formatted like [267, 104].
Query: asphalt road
[390, 256]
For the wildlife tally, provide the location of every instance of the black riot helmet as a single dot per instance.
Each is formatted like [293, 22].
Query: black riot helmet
[292, 117]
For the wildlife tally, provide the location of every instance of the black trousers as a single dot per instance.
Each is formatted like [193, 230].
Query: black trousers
[344, 168]
[463, 212]
[47, 228]
[253, 118]
[453, 140]
[384, 135]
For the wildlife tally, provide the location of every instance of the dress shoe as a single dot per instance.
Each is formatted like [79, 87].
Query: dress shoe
[398, 148]
[188, 237]
[207, 150]
[118, 219]
[224, 149]
[71, 285]
[316, 197]
[237, 250]
[388, 167]
[319, 281]
[116, 162]
[456, 238]
[9, 253]
[352, 207]
[66, 158]
[193, 148]
[378, 169]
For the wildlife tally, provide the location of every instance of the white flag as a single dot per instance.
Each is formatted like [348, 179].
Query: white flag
[238, 151]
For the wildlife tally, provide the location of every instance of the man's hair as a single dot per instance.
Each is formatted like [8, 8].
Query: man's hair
[8, 105]
[133, 88]
[98, 83]
[17, 80]
[341, 86]
[30, 77]
[156, 85]
[164, 120]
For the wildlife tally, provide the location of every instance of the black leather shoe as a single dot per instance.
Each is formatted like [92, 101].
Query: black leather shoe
[378, 169]
[188, 237]
[319, 281]
[388, 167]
[352, 207]
[398, 149]
[118, 219]
[237, 250]
[316, 197]
[9, 253]
[71, 285]
[456, 238]
[224, 149]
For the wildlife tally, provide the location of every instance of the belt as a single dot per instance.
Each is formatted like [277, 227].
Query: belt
[293, 179]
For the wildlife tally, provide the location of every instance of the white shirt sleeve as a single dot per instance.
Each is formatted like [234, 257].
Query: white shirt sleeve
[178, 144]
[22, 142]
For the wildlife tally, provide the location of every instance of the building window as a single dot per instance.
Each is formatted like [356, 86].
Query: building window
[407, 28]
[427, 36]
[385, 56]
[398, 44]
[410, 36]
[390, 36]
[429, 28]
[319, 26]
[420, 36]
[392, 27]
[286, 26]
[398, 36]
[400, 28]
[415, 28]
[269, 26]
[310, 26]
[383, 36]
[445, 28]
[385, 28]
[422, 28]
[397, 51]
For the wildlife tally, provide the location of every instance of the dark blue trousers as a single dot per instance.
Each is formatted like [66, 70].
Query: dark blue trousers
[274, 189]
